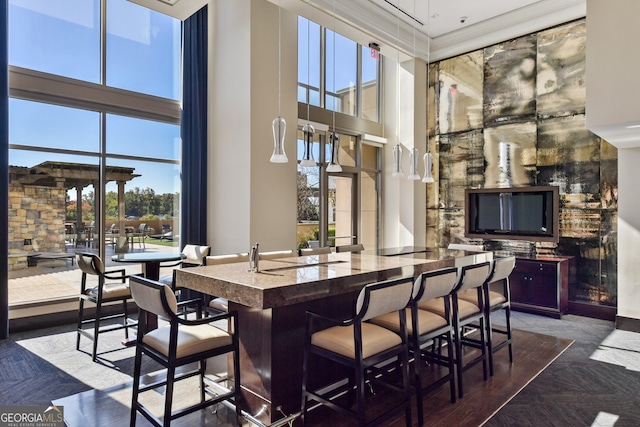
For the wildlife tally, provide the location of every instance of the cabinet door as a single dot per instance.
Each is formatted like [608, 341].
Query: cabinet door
[519, 287]
[544, 290]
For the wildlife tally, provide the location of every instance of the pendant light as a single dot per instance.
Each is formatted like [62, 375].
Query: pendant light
[334, 142]
[308, 131]
[397, 162]
[428, 165]
[397, 149]
[414, 159]
[414, 155]
[334, 138]
[428, 158]
[279, 125]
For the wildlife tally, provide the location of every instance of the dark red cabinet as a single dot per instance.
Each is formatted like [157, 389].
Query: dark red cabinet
[540, 285]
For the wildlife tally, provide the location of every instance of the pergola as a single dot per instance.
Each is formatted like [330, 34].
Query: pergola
[75, 175]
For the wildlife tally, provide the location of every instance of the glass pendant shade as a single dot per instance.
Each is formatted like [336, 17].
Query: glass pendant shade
[428, 165]
[397, 162]
[279, 126]
[307, 158]
[334, 141]
[413, 165]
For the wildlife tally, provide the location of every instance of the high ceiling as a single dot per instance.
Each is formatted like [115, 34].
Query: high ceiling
[430, 29]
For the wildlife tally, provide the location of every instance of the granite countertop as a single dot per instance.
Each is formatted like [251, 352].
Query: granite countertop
[287, 281]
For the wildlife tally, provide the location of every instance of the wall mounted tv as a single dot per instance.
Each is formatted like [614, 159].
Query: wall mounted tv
[522, 213]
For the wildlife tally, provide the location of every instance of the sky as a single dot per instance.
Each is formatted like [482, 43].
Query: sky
[143, 54]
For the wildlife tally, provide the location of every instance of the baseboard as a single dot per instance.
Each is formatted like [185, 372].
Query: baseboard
[602, 312]
[627, 324]
[59, 318]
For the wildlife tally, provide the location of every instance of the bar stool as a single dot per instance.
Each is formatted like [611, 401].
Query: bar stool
[180, 343]
[497, 297]
[350, 248]
[112, 287]
[217, 305]
[465, 313]
[314, 251]
[361, 346]
[424, 327]
[277, 254]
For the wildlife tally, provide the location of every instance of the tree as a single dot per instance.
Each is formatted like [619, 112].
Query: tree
[308, 209]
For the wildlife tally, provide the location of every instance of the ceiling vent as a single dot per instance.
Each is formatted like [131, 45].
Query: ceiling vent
[396, 10]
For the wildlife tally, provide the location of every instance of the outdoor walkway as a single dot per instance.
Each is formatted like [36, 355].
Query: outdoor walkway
[56, 279]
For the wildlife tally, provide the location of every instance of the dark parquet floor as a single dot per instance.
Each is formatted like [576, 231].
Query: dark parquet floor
[595, 381]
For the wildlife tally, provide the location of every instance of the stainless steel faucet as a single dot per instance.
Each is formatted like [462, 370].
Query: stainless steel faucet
[254, 257]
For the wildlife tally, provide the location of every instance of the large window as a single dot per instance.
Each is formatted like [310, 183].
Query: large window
[94, 133]
[343, 79]
[349, 82]
[338, 208]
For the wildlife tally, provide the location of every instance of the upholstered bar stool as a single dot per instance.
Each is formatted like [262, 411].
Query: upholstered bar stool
[112, 287]
[277, 254]
[361, 346]
[314, 251]
[466, 313]
[222, 304]
[350, 248]
[194, 255]
[424, 327]
[497, 297]
[180, 343]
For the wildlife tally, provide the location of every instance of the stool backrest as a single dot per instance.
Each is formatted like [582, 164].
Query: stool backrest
[502, 268]
[474, 275]
[314, 251]
[350, 248]
[277, 254]
[90, 263]
[434, 284]
[153, 297]
[381, 298]
[226, 259]
[195, 254]
[465, 247]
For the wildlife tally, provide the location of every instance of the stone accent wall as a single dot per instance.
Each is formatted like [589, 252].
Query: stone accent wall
[526, 95]
[36, 213]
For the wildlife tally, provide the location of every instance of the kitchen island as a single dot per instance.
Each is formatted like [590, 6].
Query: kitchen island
[271, 306]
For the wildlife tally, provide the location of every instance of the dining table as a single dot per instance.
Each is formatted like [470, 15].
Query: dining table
[272, 303]
[150, 263]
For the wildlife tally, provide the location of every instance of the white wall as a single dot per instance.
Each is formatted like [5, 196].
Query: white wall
[613, 88]
[250, 199]
[628, 233]
[404, 201]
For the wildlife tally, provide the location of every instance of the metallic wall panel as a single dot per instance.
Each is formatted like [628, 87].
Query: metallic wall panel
[461, 166]
[460, 102]
[509, 80]
[510, 155]
[569, 157]
[519, 145]
[560, 77]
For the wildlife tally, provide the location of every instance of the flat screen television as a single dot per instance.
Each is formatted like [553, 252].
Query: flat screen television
[522, 213]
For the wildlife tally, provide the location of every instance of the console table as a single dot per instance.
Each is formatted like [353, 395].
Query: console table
[540, 285]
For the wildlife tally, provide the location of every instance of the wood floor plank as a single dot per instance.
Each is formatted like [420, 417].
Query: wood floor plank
[533, 352]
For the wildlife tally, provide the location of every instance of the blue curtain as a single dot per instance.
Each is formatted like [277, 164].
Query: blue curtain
[193, 228]
[4, 170]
